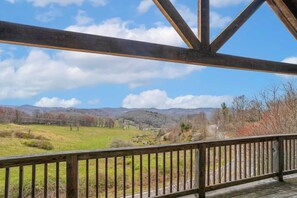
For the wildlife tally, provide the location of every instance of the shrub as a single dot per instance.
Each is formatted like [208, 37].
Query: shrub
[5, 134]
[23, 135]
[185, 126]
[120, 144]
[41, 144]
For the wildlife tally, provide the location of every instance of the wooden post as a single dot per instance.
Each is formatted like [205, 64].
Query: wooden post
[72, 177]
[281, 159]
[203, 24]
[201, 169]
[196, 171]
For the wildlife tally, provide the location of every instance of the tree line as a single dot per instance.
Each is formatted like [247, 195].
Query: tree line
[272, 111]
[11, 115]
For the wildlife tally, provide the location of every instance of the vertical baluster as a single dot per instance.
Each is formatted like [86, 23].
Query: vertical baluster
[133, 177]
[286, 155]
[149, 174]
[235, 161]
[290, 151]
[191, 168]
[259, 157]
[245, 156]
[21, 181]
[157, 174]
[271, 156]
[250, 159]
[124, 176]
[57, 179]
[45, 183]
[115, 177]
[87, 178]
[240, 163]
[33, 180]
[263, 158]
[185, 169]
[225, 162]
[294, 154]
[230, 162]
[214, 166]
[97, 178]
[140, 176]
[220, 163]
[208, 165]
[177, 177]
[106, 177]
[171, 170]
[164, 172]
[7, 182]
[254, 156]
[267, 158]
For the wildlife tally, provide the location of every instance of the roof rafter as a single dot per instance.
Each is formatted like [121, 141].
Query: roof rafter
[179, 24]
[286, 10]
[203, 24]
[64, 40]
[223, 37]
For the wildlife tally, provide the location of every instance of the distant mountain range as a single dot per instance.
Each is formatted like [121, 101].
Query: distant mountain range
[115, 112]
[149, 117]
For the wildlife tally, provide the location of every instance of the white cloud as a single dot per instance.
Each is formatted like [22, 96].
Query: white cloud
[218, 21]
[98, 2]
[115, 27]
[11, 1]
[94, 101]
[144, 6]
[159, 99]
[82, 18]
[57, 102]
[226, 3]
[49, 15]
[44, 3]
[40, 71]
[293, 60]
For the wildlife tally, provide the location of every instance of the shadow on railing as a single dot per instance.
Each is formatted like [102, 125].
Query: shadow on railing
[155, 171]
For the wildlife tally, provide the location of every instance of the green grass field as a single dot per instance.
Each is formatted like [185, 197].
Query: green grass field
[62, 139]
[87, 138]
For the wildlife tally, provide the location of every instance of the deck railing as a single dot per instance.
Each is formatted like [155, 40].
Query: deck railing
[154, 171]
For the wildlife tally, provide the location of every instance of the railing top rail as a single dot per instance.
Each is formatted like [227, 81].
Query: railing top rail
[105, 153]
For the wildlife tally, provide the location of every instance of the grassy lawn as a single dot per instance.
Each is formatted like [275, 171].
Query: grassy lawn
[62, 139]
[87, 138]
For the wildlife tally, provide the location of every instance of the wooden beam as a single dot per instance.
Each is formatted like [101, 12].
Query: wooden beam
[287, 13]
[179, 24]
[235, 25]
[203, 24]
[64, 40]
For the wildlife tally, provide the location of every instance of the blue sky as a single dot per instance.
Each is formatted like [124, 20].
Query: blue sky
[69, 79]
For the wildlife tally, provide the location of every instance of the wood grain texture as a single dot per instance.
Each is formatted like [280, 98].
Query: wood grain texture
[64, 40]
[203, 24]
[179, 24]
[231, 29]
[286, 10]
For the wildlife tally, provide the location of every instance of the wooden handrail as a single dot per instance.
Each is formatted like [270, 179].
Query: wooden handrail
[201, 166]
[11, 161]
